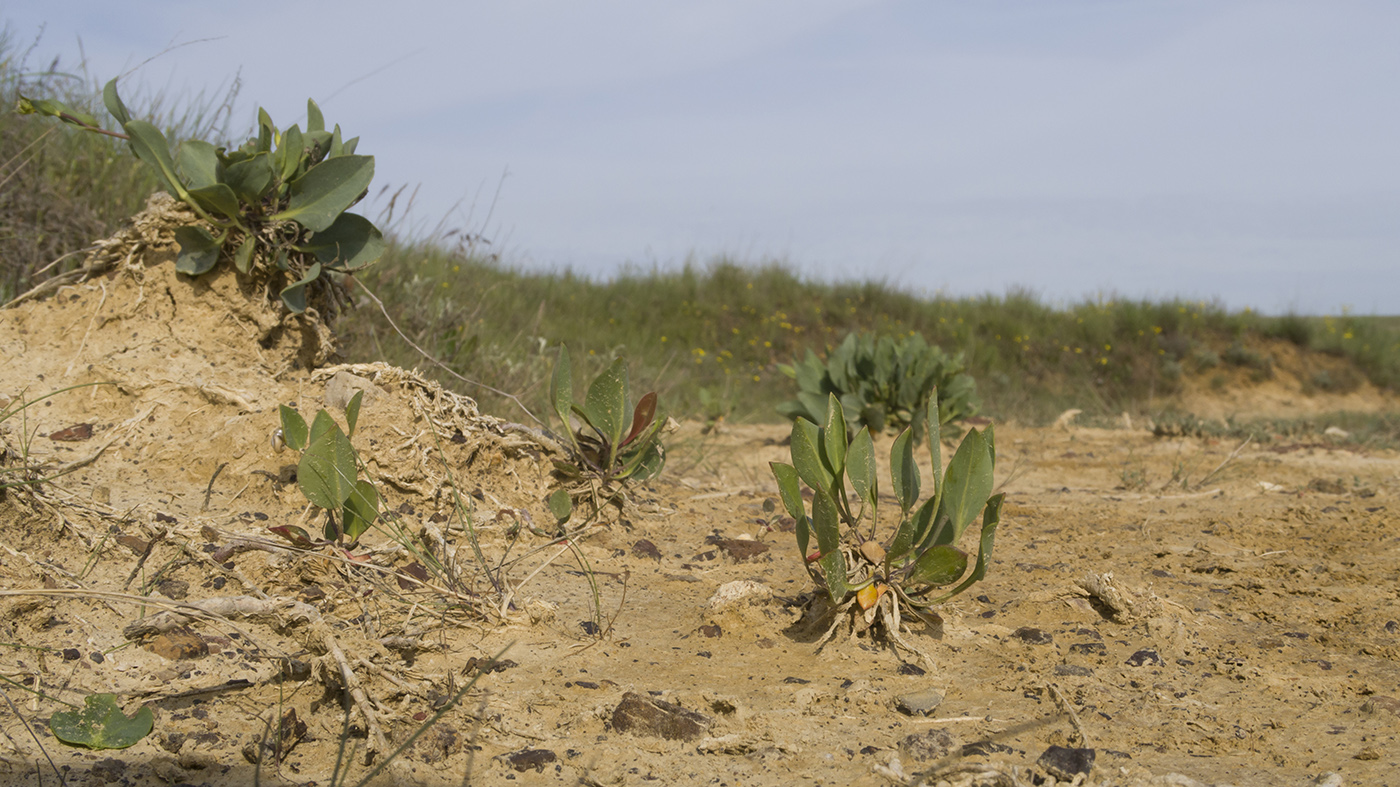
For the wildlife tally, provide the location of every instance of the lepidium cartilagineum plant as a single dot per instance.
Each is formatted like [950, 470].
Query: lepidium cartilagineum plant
[276, 205]
[873, 582]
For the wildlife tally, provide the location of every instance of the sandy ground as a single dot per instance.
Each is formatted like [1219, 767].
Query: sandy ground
[1177, 609]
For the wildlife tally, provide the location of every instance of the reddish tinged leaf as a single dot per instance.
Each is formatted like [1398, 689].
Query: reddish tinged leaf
[299, 537]
[814, 557]
[642, 416]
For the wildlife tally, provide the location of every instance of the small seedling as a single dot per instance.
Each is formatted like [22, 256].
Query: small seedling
[882, 384]
[605, 452]
[904, 573]
[280, 210]
[101, 724]
[328, 474]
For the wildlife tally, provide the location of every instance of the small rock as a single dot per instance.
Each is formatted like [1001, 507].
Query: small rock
[1370, 753]
[712, 630]
[930, 745]
[740, 549]
[905, 668]
[1327, 486]
[646, 549]
[341, 388]
[525, 759]
[1065, 763]
[919, 703]
[1145, 656]
[175, 589]
[108, 769]
[739, 593]
[1073, 670]
[1033, 636]
[179, 644]
[646, 716]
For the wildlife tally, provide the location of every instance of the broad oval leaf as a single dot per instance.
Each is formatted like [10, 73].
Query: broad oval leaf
[940, 565]
[327, 190]
[966, 486]
[561, 505]
[250, 178]
[326, 474]
[642, 416]
[199, 251]
[199, 163]
[322, 424]
[833, 566]
[789, 492]
[289, 153]
[826, 521]
[217, 198]
[361, 509]
[315, 121]
[294, 295]
[561, 387]
[352, 412]
[294, 432]
[101, 724]
[807, 456]
[605, 407]
[861, 468]
[243, 258]
[349, 244]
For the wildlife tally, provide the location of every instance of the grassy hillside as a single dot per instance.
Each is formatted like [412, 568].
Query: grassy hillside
[709, 337]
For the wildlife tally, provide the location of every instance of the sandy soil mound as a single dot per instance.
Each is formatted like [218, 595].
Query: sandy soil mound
[1160, 611]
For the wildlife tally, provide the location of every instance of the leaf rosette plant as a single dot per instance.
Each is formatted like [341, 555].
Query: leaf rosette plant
[614, 444]
[328, 474]
[877, 581]
[275, 206]
[882, 383]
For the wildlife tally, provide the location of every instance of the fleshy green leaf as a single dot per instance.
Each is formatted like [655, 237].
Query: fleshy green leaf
[940, 565]
[327, 190]
[351, 243]
[561, 505]
[861, 468]
[791, 495]
[904, 472]
[352, 413]
[807, 456]
[114, 103]
[561, 388]
[250, 178]
[289, 152]
[991, 518]
[294, 432]
[52, 108]
[321, 425]
[834, 446]
[243, 258]
[606, 406]
[101, 724]
[361, 509]
[266, 131]
[326, 474]
[294, 295]
[150, 146]
[315, 121]
[199, 251]
[967, 485]
[217, 198]
[199, 163]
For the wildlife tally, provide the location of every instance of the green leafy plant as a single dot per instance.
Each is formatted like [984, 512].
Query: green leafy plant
[328, 474]
[921, 556]
[615, 443]
[100, 724]
[882, 383]
[276, 205]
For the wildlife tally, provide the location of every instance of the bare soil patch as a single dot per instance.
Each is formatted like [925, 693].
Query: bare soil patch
[1182, 613]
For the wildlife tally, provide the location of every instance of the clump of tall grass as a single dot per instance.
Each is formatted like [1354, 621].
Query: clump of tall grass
[60, 188]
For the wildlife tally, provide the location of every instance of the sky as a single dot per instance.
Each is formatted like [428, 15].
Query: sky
[1242, 152]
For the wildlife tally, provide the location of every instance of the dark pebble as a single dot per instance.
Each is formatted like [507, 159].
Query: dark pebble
[1145, 656]
[646, 549]
[1096, 648]
[1065, 763]
[525, 759]
[646, 716]
[985, 749]
[911, 669]
[791, 679]
[97, 657]
[740, 549]
[712, 630]
[71, 654]
[1073, 669]
[1033, 636]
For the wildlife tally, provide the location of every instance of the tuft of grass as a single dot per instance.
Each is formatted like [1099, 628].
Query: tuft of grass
[60, 188]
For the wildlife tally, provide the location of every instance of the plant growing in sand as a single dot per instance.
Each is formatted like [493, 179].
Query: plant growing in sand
[872, 581]
[275, 206]
[882, 383]
[328, 474]
[614, 444]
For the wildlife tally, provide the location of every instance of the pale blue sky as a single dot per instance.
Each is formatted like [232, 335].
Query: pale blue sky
[1246, 151]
